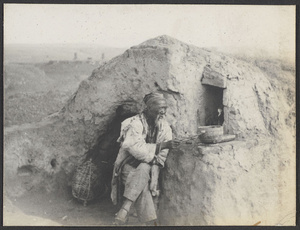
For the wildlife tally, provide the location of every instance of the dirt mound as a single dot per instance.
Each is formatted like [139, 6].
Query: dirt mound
[254, 107]
[33, 91]
[20, 108]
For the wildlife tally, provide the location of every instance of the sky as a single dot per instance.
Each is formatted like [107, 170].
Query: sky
[265, 27]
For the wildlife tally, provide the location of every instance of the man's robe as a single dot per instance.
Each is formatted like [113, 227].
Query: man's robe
[133, 145]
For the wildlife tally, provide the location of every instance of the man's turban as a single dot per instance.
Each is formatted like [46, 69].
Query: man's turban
[152, 99]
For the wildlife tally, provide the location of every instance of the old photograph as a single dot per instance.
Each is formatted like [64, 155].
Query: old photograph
[149, 115]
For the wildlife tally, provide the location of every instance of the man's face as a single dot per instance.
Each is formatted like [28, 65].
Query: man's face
[157, 110]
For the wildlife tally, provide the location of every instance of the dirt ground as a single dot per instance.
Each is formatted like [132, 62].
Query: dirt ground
[41, 209]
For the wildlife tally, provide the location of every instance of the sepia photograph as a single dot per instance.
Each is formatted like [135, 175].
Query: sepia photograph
[149, 115]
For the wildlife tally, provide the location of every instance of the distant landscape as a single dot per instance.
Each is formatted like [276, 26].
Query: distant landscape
[37, 53]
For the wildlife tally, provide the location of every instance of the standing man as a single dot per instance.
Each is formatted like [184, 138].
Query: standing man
[145, 141]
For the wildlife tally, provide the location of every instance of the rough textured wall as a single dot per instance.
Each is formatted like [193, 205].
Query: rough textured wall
[221, 184]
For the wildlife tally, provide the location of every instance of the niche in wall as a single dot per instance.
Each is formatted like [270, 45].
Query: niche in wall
[214, 84]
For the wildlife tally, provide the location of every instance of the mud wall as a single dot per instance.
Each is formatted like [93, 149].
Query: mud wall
[222, 184]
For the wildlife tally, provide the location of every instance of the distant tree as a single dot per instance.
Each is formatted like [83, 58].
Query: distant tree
[103, 56]
[75, 57]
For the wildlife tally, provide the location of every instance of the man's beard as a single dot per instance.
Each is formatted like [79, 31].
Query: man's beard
[158, 120]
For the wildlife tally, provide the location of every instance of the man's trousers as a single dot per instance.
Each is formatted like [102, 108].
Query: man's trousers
[136, 181]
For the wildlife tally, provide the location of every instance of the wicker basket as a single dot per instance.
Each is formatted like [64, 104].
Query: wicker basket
[85, 182]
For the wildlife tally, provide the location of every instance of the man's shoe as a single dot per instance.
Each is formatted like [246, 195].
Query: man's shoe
[121, 217]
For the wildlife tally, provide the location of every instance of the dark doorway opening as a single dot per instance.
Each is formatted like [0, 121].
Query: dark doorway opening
[105, 151]
[213, 105]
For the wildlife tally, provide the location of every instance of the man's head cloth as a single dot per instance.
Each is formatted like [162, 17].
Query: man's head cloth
[154, 99]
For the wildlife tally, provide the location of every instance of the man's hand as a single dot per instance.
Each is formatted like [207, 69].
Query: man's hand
[172, 144]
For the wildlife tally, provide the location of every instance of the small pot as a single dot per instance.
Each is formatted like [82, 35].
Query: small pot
[208, 133]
